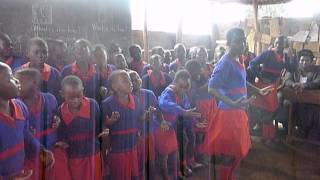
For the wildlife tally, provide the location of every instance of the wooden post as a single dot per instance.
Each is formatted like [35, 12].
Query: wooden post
[179, 31]
[257, 45]
[214, 36]
[146, 36]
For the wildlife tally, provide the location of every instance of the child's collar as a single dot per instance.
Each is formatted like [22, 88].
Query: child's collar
[131, 103]
[84, 111]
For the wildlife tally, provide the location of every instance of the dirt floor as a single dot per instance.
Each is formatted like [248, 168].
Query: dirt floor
[279, 161]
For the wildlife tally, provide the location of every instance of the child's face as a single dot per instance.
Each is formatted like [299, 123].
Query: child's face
[38, 54]
[195, 74]
[82, 52]
[100, 57]
[136, 81]
[155, 64]
[181, 53]
[6, 48]
[72, 95]
[120, 63]
[9, 86]
[183, 85]
[167, 57]
[123, 84]
[202, 55]
[27, 86]
[136, 53]
[305, 63]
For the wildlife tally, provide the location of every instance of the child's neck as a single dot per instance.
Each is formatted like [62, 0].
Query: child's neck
[37, 66]
[83, 66]
[5, 106]
[32, 99]
[74, 110]
[123, 98]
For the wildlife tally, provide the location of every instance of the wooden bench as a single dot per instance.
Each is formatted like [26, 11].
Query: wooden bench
[307, 97]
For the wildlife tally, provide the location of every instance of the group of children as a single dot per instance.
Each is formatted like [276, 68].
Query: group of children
[99, 118]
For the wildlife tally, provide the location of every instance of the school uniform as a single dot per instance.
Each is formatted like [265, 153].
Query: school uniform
[123, 137]
[265, 70]
[41, 117]
[105, 74]
[175, 65]
[16, 140]
[146, 146]
[51, 78]
[15, 62]
[149, 81]
[164, 68]
[207, 71]
[90, 79]
[137, 65]
[80, 132]
[228, 134]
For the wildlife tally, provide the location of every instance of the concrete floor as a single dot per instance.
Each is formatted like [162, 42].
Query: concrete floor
[276, 162]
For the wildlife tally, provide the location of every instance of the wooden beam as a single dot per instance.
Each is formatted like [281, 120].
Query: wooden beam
[179, 30]
[257, 45]
[146, 36]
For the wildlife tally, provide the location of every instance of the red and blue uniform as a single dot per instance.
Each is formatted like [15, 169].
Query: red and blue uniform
[41, 117]
[51, 78]
[228, 133]
[123, 157]
[105, 74]
[175, 65]
[207, 71]
[146, 147]
[150, 81]
[90, 79]
[16, 140]
[80, 132]
[147, 67]
[137, 65]
[15, 62]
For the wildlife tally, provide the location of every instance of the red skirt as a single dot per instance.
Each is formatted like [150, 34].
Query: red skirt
[269, 102]
[146, 148]
[207, 109]
[165, 141]
[228, 134]
[124, 165]
[86, 168]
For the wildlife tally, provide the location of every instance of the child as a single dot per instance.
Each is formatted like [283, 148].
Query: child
[122, 114]
[137, 63]
[176, 109]
[43, 122]
[202, 58]
[265, 71]
[16, 139]
[100, 59]
[146, 148]
[38, 56]
[156, 80]
[180, 54]
[205, 104]
[79, 129]
[84, 69]
[57, 53]
[228, 135]
[6, 52]
[121, 63]
[167, 57]
[113, 50]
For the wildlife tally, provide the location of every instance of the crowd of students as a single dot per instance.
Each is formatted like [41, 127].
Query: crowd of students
[101, 118]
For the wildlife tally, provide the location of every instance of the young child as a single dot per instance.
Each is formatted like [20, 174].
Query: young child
[122, 114]
[175, 106]
[16, 139]
[57, 53]
[43, 122]
[6, 52]
[38, 55]
[180, 54]
[137, 64]
[79, 129]
[205, 104]
[228, 135]
[121, 63]
[146, 148]
[167, 57]
[265, 71]
[84, 69]
[156, 80]
[113, 50]
[100, 58]
[202, 58]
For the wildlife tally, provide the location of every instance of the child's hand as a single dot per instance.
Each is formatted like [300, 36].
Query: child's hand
[47, 158]
[114, 117]
[103, 91]
[147, 115]
[104, 133]
[243, 101]
[62, 144]
[265, 91]
[191, 113]
[23, 175]
[56, 122]
[201, 125]
[164, 126]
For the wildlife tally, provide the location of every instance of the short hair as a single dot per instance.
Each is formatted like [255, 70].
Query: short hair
[153, 57]
[36, 41]
[82, 41]
[114, 76]
[306, 52]
[182, 74]
[97, 47]
[179, 45]
[156, 50]
[71, 80]
[30, 73]
[232, 33]
[192, 65]
[4, 36]
[133, 72]
[114, 47]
